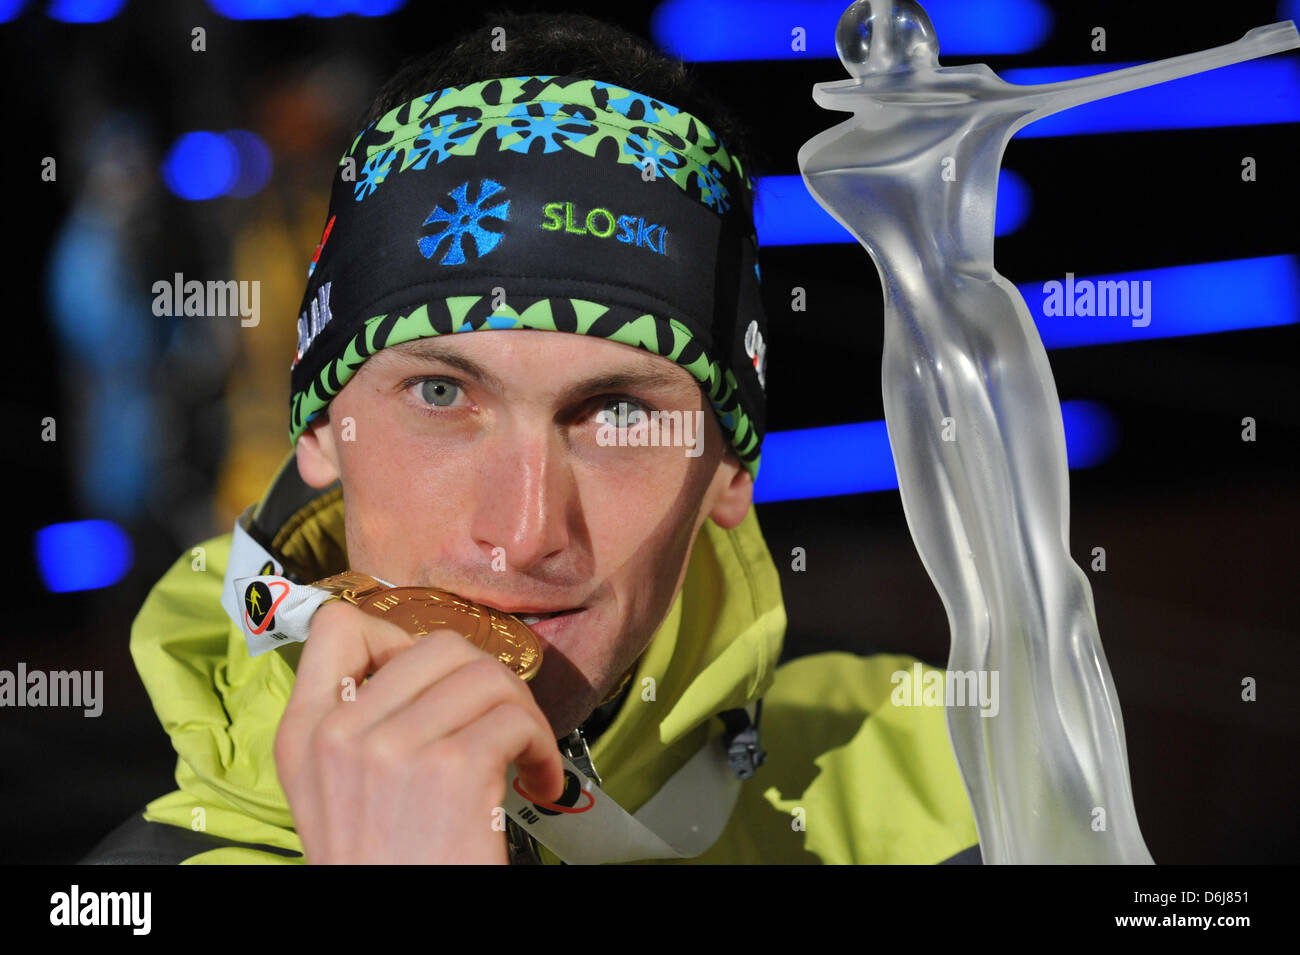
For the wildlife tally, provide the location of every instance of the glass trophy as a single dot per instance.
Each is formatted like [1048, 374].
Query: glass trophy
[974, 420]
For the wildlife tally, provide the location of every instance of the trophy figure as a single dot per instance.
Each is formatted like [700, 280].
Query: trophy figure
[974, 421]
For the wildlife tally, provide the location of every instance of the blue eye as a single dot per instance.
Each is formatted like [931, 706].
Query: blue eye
[625, 414]
[439, 392]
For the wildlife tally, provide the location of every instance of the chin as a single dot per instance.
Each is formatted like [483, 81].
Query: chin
[564, 695]
[563, 690]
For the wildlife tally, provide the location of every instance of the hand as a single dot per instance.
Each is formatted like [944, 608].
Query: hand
[412, 769]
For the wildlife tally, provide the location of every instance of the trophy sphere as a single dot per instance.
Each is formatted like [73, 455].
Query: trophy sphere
[885, 36]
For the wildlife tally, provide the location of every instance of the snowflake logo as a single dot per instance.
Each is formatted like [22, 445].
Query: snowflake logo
[438, 141]
[645, 150]
[712, 191]
[542, 121]
[373, 173]
[465, 221]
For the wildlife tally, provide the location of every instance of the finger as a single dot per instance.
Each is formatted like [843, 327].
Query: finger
[430, 660]
[438, 686]
[522, 739]
[344, 642]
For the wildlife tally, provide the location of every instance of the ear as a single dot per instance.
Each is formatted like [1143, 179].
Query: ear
[735, 492]
[318, 462]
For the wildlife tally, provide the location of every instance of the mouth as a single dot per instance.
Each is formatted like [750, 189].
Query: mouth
[529, 619]
[550, 627]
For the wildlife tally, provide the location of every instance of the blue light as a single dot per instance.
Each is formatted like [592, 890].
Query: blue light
[201, 165]
[1184, 300]
[787, 214]
[820, 462]
[1243, 94]
[1013, 203]
[206, 165]
[856, 458]
[84, 11]
[82, 555]
[10, 9]
[1091, 433]
[251, 9]
[253, 161]
[282, 9]
[714, 30]
[1288, 10]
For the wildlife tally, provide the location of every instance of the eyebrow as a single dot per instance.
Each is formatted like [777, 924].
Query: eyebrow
[647, 377]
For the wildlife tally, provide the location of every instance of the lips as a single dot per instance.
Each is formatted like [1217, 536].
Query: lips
[552, 625]
[533, 618]
[541, 622]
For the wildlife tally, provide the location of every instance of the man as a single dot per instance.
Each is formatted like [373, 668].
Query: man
[595, 483]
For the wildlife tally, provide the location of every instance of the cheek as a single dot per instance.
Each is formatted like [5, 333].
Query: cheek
[398, 487]
[641, 536]
[395, 453]
[635, 512]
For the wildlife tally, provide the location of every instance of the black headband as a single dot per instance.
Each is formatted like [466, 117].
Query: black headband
[541, 187]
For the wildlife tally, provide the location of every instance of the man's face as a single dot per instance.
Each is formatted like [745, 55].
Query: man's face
[475, 463]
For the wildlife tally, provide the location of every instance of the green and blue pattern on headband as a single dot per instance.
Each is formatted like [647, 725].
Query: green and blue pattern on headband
[579, 115]
[596, 210]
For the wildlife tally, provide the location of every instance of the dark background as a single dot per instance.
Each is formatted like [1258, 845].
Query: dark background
[1198, 526]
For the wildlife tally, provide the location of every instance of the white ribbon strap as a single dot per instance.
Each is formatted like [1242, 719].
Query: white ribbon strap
[587, 827]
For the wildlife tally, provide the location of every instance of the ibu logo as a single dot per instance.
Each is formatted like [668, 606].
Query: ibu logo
[462, 233]
[632, 230]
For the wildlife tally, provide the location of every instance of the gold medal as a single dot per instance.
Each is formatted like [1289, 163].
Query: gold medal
[422, 610]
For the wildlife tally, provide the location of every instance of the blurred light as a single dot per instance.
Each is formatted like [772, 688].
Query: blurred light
[1184, 300]
[201, 165]
[1242, 94]
[712, 30]
[10, 9]
[856, 458]
[281, 9]
[820, 462]
[84, 11]
[253, 159]
[1091, 433]
[82, 555]
[1013, 203]
[787, 214]
[1288, 10]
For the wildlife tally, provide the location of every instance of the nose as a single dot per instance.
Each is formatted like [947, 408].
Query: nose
[523, 498]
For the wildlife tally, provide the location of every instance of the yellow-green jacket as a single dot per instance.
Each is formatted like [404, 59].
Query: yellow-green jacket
[849, 778]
